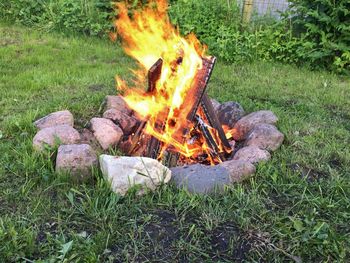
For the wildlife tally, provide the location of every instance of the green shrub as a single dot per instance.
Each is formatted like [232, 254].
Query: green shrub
[215, 22]
[218, 24]
[27, 12]
[313, 32]
[325, 31]
[85, 16]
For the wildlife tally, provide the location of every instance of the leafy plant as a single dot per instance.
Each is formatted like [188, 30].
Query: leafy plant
[311, 32]
[325, 31]
[24, 11]
[85, 16]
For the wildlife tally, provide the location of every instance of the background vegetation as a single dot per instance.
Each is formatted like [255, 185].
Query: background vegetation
[315, 33]
[295, 207]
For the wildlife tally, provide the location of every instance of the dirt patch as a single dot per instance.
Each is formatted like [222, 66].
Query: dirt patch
[7, 208]
[337, 112]
[96, 87]
[9, 37]
[259, 99]
[164, 237]
[310, 174]
[164, 231]
[290, 102]
[335, 163]
[228, 243]
[45, 229]
[276, 202]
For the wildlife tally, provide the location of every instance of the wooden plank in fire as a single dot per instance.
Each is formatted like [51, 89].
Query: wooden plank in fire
[214, 122]
[200, 85]
[154, 145]
[140, 139]
[197, 92]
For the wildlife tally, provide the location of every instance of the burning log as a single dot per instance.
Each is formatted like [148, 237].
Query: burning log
[214, 122]
[218, 146]
[137, 140]
[177, 118]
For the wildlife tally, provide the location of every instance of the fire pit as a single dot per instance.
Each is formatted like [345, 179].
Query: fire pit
[166, 114]
[180, 133]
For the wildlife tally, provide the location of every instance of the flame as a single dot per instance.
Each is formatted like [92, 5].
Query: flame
[147, 35]
[229, 132]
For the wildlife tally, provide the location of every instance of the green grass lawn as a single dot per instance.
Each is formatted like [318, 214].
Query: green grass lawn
[295, 207]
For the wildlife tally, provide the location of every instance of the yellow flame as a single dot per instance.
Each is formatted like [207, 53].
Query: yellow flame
[148, 35]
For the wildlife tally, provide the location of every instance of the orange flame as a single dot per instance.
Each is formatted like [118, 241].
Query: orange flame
[148, 35]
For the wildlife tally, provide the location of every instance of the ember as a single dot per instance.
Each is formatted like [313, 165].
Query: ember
[178, 123]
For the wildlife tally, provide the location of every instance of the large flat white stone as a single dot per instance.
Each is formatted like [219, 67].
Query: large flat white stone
[126, 172]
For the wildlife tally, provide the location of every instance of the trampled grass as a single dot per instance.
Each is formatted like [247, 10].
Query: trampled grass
[296, 207]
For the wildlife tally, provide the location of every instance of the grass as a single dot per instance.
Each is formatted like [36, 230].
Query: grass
[296, 207]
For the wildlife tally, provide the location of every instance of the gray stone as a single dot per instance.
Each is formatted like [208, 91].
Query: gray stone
[238, 170]
[77, 159]
[252, 154]
[54, 119]
[125, 172]
[200, 178]
[61, 134]
[125, 121]
[215, 104]
[229, 113]
[106, 132]
[265, 136]
[247, 123]
[118, 103]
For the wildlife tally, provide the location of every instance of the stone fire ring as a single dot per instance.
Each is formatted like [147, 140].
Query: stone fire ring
[255, 138]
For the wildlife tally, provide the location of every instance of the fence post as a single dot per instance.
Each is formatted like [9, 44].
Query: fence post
[247, 11]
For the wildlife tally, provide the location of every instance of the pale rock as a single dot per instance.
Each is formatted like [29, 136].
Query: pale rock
[125, 121]
[238, 170]
[61, 134]
[247, 123]
[106, 132]
[118, 103]
[252, 154]
[77, 159]
[126, 172]
[56, 118]
[265, 136]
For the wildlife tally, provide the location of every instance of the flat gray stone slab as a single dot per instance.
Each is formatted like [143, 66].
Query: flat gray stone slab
[200, 178]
